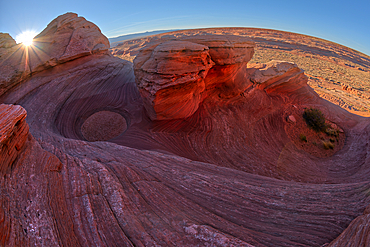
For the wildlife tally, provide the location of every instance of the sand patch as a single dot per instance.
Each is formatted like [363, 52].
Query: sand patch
[103, 126]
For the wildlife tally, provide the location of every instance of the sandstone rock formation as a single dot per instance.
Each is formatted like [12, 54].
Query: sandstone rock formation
[66, 38]
[337, 73]
[69, 37]
[6, 41]
[224, 174]
[181, 67]
[278, 76]
[13, 135]
[357, 233]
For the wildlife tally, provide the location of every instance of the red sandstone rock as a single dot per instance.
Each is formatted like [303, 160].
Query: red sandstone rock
[226, 175]
[13, 134]
[226, 49]
[278, 76]
[356, 234]
[69, 37]
[172, 75]
[171, 78]
[66, 38]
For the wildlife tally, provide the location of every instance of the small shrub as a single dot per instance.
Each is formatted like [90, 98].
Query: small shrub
[315, 119]
[332, 140]
[332, 132]
[303, 138]
[328, 145]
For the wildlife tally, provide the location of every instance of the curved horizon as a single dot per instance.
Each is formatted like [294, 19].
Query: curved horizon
[343, 23]
[173, 30]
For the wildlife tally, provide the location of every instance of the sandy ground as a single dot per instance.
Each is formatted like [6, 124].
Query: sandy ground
[103, 126]
[318, 144]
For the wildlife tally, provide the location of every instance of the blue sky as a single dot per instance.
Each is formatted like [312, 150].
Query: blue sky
[343, 22]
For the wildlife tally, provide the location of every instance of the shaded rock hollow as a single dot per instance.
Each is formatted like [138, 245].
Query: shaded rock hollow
[221, 173]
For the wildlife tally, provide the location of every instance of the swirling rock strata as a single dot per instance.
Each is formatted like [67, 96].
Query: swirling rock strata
[356, 234]
[227, 175]
[13, 134]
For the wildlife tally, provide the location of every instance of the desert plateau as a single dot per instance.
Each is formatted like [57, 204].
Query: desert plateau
[196, 137]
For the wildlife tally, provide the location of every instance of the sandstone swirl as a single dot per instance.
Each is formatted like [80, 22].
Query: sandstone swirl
[201, 156]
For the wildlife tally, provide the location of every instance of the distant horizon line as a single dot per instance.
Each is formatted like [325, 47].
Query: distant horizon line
[183, 29]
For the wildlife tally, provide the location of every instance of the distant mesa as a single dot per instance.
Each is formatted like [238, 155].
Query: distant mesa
[200, 141]
[118, 40]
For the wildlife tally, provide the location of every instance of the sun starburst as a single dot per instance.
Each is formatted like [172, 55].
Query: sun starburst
[26, 37]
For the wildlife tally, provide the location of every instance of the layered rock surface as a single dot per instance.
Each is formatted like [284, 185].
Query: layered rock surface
[170, 77]
[13, 135]
[227, 174]
[172, 74]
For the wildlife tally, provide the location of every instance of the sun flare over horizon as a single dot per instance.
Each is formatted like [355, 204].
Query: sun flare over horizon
[26, 38]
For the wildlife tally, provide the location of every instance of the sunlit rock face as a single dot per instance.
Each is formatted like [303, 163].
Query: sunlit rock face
[66, 38]
[278, 76]
[172, 76]
[216, 166]
[6, 41]
[69, 37]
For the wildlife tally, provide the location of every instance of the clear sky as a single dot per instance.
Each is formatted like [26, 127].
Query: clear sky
[343, 22]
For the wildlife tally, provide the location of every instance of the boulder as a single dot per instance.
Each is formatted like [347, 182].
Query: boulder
[278, 76]
[291, 119]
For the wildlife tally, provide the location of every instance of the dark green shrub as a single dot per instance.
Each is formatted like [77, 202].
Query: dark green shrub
[315, 119]
[303, 138]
